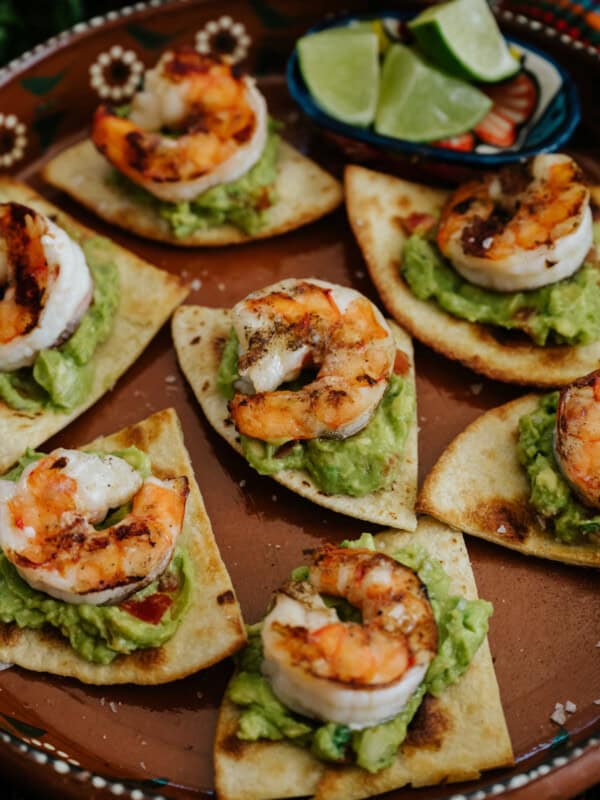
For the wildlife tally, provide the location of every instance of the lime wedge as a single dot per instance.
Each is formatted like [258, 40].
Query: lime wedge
[341, 69]
[419, 103]
[462, 38]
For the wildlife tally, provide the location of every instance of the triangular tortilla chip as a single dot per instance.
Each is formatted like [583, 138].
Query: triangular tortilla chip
[200, 333]
[147, 298]
[304, 191]
[479, 487]
[212, 627]
[453, 738]
[376, 205]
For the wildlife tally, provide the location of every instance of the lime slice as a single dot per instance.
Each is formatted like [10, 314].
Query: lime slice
[419, 103]
[341, 69]
[462, 38]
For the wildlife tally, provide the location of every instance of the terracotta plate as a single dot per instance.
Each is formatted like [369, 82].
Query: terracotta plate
[137, 742]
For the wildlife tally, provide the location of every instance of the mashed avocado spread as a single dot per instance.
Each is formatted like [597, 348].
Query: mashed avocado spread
[355, 466]
[244, 202]
[566, 517]
[101, 633]
[462, 627]
[62, 377]
[565, 312]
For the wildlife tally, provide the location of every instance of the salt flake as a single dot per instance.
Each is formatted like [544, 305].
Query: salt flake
[558, 715]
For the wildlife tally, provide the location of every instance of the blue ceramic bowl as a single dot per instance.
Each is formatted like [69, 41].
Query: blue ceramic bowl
[553, 112]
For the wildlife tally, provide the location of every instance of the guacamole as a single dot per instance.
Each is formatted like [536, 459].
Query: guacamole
[101, 633]
[565, 312]
[61, 378]
[566, 517]
[462, 627]
[244, 202]
[354, 466]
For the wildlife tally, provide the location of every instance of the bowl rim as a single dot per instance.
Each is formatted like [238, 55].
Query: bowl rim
[308, 105]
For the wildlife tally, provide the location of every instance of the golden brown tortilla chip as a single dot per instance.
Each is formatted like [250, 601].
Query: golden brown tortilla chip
[147, 298]
[377, 204]
[212, 627]
[305, 193]
[453, 737]
[200, 333]
[479, 487]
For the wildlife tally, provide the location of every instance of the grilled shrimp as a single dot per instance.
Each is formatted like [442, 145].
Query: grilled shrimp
[354, 674]
[301, 323]
[45, 285]
[47, 528]
[577, 437]
[526, 227]
[195, 124]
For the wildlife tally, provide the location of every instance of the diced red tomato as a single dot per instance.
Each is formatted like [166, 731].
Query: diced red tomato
[416, 222]
[150, 609]
[464, 142]
[401, 363]
[514, 103]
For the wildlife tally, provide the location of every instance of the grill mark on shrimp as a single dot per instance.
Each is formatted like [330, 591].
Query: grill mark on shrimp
[139, 149]
[48, 285]
[475, 235]
[186, 61]
[27, 257]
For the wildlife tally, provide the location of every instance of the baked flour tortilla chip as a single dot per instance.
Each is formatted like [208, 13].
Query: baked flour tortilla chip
[212, 627]
[479, 487]
[200, 333]
[376, 205]
[453, 737]
[148, 297]
[304, 191]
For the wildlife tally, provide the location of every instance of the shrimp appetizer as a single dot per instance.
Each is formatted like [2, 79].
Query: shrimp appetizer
[66, 334]
[194, 160]
[295, 324]
[47, 528]
[313, 386]
[526, 475]
[221, 120]
[501, 274]
[521, 229]
[358, 675]
[352, 659]
[121, 562]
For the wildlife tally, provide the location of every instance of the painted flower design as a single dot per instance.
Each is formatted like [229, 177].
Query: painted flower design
[13, 140]
[225, 38]
[116, 73]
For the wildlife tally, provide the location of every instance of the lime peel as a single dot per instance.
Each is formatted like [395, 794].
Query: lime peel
[419, 103]
[462, 38]
[341, 69]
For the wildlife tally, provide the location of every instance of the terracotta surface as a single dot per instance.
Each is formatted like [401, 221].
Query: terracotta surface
[547, 616]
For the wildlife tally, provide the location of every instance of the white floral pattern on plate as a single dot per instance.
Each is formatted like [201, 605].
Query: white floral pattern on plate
[13, 140]
[224, 37]
[116, 73]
